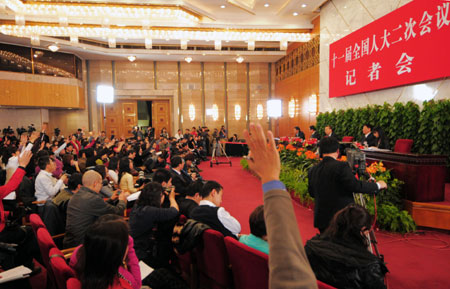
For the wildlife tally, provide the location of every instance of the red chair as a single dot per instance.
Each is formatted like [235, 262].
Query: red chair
[246, 264]
[403, 146]
[212, 261]
[73, 283]
[347, 139]
[46, 243]
[36, 222]
[322, 285]
[61, 270]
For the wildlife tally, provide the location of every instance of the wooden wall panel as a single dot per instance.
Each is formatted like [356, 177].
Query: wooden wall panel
[237, 94]
[121, 116]
[191, 93]
[161, 115]
[298, 87]
[215, 92]
[39, 94]
[259, 92]
[134, 75]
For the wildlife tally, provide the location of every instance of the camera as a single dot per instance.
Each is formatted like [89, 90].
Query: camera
[31, 128]
[57, 131]
[357, 161]
[8, 130]
[21, 130]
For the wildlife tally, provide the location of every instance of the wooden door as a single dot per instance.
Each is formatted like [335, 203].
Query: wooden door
[121, 116]
[161, 116]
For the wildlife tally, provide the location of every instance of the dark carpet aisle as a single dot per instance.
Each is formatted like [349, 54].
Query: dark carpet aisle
[415, 261]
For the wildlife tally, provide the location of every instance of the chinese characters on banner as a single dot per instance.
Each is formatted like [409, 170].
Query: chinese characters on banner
[408, 45]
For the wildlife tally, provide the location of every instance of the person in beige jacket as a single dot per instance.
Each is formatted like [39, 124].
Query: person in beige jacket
[288, 264]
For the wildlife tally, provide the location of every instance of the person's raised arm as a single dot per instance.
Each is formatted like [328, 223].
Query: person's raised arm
[288, 264]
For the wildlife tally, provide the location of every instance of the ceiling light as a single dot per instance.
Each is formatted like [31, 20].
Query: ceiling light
[266, 5]
[188, 59]
[135, 33]
[304, 5]
[53, 48]
[222, 6]
[295, 14]
[148, 43]
[131, 58]
[203, 54]
[239, 59]
[74, 39]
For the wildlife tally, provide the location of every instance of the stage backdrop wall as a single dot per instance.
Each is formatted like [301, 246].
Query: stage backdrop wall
[341, 17]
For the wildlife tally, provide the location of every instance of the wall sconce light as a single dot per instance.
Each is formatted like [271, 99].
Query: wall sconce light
[313, 103]
[131, 58]
[283, 45]
[188, 59]
[260, 111]
[112, 42]
[183, 44]
[217, 44]
[251, 45]
[53, 47]
[215, 112]
[148, 43]
[274, 108]
[74, 39]
[237, 112]
[291, 108]
[191, 112]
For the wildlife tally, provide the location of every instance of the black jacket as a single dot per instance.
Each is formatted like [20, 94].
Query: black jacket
[345, 265]
[316, 135]
[332, 184]
[370, 139]
[180, 182]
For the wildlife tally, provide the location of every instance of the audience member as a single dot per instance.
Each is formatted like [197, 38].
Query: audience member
[212, 214]
[73, 186]
[179, 180]
[46, 185]
[258, 234]
[125, 178]
[331, 183]
[288, 265]
[86, 206]
[145, 216]
[192, 199]
[113, 170]
[106, 260]
[340, 256]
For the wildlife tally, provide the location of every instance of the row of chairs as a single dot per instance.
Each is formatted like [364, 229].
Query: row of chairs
[219, 263]
[223, 263]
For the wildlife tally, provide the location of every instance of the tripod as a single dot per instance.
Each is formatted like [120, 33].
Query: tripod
[217, 147]
[373, 243]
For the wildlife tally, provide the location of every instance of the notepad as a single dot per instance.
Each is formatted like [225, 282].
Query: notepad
[14, 274]
[145, 270]
[134, 197]
[10, 196]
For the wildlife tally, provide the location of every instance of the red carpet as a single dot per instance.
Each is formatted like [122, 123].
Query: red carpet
[415, 261]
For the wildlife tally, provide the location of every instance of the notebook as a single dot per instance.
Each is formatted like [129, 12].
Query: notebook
[14, 274]
[145, 270]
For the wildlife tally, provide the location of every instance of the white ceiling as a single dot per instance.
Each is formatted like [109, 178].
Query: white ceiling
[236, 14]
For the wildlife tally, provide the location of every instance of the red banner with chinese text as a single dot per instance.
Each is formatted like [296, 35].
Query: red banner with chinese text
[409, 45]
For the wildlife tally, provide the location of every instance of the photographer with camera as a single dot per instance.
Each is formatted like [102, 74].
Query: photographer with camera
[332, 184]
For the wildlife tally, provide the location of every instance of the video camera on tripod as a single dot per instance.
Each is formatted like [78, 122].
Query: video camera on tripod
[357, 161]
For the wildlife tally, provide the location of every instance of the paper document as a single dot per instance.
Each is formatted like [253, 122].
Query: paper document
[15, 273]
[10, 196]
[145, 270]
[134, 197]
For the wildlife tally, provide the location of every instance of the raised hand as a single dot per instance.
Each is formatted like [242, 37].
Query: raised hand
[25, 158]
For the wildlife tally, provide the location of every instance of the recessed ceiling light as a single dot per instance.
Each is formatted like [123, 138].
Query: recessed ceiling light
[131, 58]
[188, 59]
[203, 54]
[53, 48]
[304, 5]
[295, 14]
[222, 6]
[266, 5]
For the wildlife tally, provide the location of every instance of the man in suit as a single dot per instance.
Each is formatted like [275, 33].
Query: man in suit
[368, 140]
[314, 133]
[330, 133]
[192, 199]
[212, 214]
[298, 133]
[179, 179]
[332, 184]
